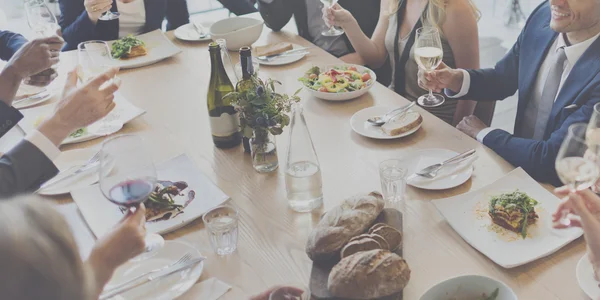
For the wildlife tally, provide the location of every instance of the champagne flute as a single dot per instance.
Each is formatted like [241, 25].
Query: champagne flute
[127, 177]
[109, 15]
[332, 31]
[40, 18]
[573, 164]
[429, 55]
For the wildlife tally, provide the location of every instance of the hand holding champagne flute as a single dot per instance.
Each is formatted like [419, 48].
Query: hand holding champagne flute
[429, 55]
[332, 31]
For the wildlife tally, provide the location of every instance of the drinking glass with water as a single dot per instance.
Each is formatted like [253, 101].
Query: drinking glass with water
[392, 174]
[222, 224]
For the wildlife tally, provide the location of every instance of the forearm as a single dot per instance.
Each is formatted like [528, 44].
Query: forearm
[100, 270]
[10, 80]
[463, 108]
[367, 49]
[353, 58]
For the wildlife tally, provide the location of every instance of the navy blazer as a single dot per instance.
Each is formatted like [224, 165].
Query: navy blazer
[10, 43]
[518, 70]
[77, 26]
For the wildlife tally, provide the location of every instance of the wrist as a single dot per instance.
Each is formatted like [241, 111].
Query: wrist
[350, 25]
[93, 17]
[457, 81]
[12, 73]
[55, 130]
[102, 268]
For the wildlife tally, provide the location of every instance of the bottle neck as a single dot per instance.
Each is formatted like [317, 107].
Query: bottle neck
[247, 66]
[216, 63]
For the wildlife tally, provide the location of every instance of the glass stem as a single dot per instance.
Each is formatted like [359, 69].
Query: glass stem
[431, 97]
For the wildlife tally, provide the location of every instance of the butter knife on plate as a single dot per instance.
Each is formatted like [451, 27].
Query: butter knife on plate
[180, 267]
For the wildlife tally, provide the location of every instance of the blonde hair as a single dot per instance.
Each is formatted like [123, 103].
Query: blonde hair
[38, 255]
[436, 12]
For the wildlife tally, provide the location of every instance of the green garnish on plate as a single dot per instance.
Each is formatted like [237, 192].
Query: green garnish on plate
[78, 133]
[121, 48]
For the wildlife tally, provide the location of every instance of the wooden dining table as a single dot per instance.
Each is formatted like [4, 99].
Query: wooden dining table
[272, 237]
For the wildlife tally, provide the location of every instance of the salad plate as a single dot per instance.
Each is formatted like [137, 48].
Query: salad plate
[339, 82]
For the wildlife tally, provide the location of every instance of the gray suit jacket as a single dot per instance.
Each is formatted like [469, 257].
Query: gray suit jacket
[24, 169]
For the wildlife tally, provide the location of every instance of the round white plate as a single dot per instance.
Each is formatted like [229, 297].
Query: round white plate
[188, 33]
[468, 287]
[33, 100]
[169, 287]
[448, 177]
[585, 277]
[280, 61]
[346, 95]
[359, 124]
[72, 159]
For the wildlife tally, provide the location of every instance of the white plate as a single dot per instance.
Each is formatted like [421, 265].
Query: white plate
[585, 277]
[448, 177]
[188, 33]
[280, 61]
[359, 124]
[346, 95]
[167, 288]
[468, 287]
[159, 47]
[33, 100]
[66, 160]
[468, 215]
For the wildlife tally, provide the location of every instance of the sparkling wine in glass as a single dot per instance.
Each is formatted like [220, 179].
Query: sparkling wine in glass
[429, 54]
[574, 166]
[127, 178]
[40, 18]
[94, 58]
[332, 31]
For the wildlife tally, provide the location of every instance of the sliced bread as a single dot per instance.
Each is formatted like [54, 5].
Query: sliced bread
[406, 123]
[273, 49]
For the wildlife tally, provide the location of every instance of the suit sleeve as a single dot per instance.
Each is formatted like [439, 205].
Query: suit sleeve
[276, 21]
[538, 157]
[177, 14]
[24, 169]
[10, 43]
[75, 24]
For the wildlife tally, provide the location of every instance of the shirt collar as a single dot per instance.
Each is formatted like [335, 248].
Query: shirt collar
[574, 52]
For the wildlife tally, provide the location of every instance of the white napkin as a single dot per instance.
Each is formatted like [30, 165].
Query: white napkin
[209, 289]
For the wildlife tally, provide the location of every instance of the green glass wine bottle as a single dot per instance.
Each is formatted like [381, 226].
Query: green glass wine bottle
[246, 83]
[224, 120]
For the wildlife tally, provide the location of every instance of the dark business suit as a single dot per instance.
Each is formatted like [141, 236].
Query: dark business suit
[518, 70]
[10, 43]
[77, 26]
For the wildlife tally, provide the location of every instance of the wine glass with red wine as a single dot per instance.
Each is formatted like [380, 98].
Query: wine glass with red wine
[127, 177]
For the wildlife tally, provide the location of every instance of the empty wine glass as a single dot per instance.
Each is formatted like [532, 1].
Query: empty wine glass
[127, 178]
[429, 54]
[332, 31]
[575, 165]
[40, 18]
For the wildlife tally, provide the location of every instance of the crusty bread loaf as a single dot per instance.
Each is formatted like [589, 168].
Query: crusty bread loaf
[363, 244]
[391, 235]
[273, 49]
[368, 275]
[353, 217]
[403, 124]
[381, 240]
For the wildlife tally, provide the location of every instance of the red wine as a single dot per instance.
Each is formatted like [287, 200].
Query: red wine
[131, 193]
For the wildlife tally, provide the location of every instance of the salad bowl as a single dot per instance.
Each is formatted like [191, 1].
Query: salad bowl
[338, 82]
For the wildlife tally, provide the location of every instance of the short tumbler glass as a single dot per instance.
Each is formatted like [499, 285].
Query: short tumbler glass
[222, 224]
[392, 174]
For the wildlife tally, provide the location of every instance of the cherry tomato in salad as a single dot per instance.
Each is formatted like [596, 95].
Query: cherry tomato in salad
[323, 89]
[352, 69]
[366, 77]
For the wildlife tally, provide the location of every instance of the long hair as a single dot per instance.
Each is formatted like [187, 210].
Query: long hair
[436, 12]
[38, 255]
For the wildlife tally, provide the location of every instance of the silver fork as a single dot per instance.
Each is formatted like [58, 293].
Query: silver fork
[91, 163]
[185, 258]
[200, 30]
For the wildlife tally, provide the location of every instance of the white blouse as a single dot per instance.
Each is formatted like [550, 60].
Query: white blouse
[133, 17]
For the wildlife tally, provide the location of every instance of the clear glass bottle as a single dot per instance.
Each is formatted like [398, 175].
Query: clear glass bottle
[264, 151]
[303, 181]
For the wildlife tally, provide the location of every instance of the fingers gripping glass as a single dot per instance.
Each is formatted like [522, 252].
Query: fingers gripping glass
[332, 31]
[109, 15]
[429, 54]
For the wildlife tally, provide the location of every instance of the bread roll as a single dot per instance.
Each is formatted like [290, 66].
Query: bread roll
[342, 223]
[363, 244]
[404, 124]
[368, 275]
[391, 235]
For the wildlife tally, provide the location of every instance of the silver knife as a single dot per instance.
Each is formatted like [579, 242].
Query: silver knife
[150, 278]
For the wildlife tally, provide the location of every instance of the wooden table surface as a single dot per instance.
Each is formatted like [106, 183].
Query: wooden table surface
[272, 237]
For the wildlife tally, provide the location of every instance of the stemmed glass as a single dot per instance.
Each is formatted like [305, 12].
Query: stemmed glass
[332, 31]
[127, 178]
[40, 18]
[575, 163]
[429, 54]
[109, 15]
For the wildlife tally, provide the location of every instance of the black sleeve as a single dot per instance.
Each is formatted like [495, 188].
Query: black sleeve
[10, 43]
[276, 13]
[9, 117]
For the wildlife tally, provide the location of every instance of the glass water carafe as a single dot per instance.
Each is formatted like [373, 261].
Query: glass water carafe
[302, 173]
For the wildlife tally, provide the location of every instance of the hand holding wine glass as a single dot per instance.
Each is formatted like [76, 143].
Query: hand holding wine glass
[100, 10]
[332, 31]
[429, 55]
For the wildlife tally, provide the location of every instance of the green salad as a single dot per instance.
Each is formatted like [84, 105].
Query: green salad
[518, 206]
[122, 47]
[339, 79]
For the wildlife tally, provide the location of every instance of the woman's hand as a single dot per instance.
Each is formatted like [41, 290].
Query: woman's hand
[337, 16]
[286, 289]
[95, 8]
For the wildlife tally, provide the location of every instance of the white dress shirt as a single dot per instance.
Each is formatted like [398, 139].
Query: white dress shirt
[44, 144]
[573, 53]
[133, 17]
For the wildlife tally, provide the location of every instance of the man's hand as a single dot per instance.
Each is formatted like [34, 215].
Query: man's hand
[471, 125]
[36, 56]
[443, 77]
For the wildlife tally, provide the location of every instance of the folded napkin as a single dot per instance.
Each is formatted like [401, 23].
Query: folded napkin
[209, 289]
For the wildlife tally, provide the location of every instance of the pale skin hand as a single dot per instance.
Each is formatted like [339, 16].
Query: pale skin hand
[265, 295]
[124, 242]
[471, 126]
[96, 8]
[80, 107]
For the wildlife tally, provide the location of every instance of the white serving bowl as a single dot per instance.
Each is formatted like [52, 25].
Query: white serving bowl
[237, 31]
[468, 287]
[346, 95]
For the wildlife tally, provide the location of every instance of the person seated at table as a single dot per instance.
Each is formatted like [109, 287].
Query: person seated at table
[239, 7]
[80, 21]
[555, 67]
[28, 165]
[40, 259]
[584, 212]
[34, 61]
[457, 24]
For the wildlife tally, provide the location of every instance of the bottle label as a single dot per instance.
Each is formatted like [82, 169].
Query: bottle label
[225, 125]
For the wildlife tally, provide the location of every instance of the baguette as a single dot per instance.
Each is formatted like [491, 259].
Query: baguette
[273, 49]
[342, 223]
[404, 124]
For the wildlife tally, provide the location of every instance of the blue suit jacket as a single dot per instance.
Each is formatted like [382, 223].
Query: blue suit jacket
[77, 26]
[10, 43]
[518, 70]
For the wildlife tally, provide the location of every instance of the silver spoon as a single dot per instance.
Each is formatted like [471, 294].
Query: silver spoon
[380, 120]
